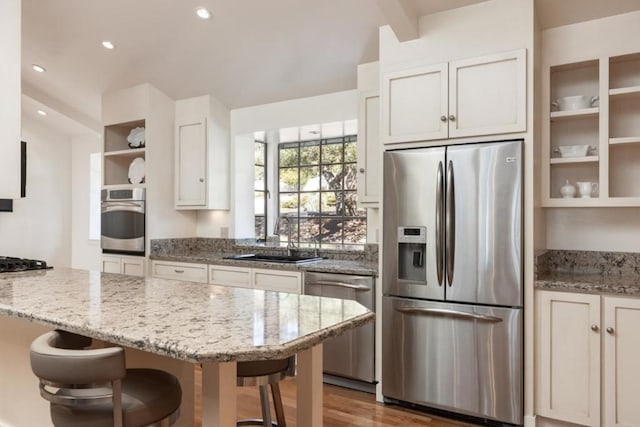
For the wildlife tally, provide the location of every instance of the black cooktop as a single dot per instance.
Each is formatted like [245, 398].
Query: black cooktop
[10, 264]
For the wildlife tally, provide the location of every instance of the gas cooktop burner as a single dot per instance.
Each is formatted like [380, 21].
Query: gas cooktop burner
[10, 264]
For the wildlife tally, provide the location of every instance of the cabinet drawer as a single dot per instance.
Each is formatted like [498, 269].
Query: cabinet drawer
[281, 281]
[230, 276]
[133, 267]
[180, 271]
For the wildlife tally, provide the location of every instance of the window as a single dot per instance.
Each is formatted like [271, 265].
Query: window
[95, 171]
[317, 186]
[260, 185]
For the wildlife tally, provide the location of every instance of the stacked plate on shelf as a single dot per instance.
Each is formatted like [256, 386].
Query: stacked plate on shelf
[136, 171]
[136, 138]
[574, 150]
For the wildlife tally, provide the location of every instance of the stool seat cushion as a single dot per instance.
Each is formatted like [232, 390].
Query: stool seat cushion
[148, 396]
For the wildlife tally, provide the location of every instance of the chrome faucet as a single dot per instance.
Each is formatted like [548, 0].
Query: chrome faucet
[291, 247]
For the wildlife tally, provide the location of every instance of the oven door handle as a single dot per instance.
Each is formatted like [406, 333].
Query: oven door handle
[443, 312]
[122, 206]
[357, 288]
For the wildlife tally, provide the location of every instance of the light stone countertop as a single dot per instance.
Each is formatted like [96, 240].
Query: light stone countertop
[323, 266]
[187, 321]
[589, 283]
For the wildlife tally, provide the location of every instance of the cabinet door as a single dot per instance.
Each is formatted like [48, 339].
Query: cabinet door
[191, 162]
[487, 95]
[569, 357]
[230, 276]
[369, 149]
[280, 281]
[180, 271]
[111, 264]
[621, 358]
[132, 266]
[414, 104]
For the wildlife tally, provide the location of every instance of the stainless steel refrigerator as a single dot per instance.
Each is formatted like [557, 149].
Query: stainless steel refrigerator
[452, 279]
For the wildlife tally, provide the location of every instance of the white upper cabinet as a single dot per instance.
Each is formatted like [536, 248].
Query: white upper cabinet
[472, 97]
[191, 165]
[487, 95]
[369, 149]
[10, 92]
[415, 104]
[201, 154]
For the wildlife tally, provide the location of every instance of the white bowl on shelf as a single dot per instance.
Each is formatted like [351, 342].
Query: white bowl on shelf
[578, 102]
[573, 150]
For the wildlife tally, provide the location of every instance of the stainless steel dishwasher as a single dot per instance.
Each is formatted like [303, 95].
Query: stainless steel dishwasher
[350, 355]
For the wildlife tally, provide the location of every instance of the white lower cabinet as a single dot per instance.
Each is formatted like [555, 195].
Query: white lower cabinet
[256, 278]
[230, 276]
[120, 264]
[588, 350]
[277, 280]
[180, 271]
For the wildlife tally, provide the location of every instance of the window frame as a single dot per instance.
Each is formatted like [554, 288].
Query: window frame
[264, 191]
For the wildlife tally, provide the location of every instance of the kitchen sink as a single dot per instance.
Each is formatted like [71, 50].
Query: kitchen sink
[286, 259]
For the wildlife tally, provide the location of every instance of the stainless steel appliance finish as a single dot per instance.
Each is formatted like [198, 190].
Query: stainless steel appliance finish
[123, 221]
[468, 199]
[350, 355]
[454, 357]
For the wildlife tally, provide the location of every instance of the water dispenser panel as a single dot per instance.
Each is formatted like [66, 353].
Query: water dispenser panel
[412, 247]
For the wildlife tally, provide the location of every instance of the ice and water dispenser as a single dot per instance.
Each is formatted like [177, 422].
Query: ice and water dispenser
[412, 250]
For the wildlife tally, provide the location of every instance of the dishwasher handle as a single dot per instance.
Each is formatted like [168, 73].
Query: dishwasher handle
[443, 312]
[357, 288]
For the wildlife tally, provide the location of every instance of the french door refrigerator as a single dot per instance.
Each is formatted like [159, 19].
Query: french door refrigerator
[452, 279]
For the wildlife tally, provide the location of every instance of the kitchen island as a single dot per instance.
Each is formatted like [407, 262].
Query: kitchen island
[172, 325]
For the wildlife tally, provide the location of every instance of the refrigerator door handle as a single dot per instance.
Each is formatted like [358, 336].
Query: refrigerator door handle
[439, 223]
[450, 223]
[443, 312]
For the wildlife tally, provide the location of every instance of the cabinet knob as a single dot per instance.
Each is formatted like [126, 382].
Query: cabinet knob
[594, 328]
[361, 170]
[443, 118]
[452, 118]
[610, 330]
[201, 179]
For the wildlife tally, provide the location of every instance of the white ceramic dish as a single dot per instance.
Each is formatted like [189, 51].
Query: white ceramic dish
[136, 138]
[577, 102]
[136, 171]
[573, 150]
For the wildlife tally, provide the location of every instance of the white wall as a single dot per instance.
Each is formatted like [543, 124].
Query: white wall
[594, 229]
[85, 253]
[327, 108]
[40, 225]
[10, 111]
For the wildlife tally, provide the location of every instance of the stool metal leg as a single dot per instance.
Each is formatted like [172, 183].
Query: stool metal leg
[264, 402]
[277, 405]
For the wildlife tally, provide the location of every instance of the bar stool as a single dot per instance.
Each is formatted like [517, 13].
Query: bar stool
[92, 387]
[263, 373]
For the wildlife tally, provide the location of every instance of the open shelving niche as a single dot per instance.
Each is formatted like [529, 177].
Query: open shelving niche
[118, 155]
[612, 128]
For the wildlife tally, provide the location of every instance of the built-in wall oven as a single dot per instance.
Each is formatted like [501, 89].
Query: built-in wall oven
[123, 221]
[350, 355]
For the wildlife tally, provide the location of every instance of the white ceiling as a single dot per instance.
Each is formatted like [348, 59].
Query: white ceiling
[251, 52]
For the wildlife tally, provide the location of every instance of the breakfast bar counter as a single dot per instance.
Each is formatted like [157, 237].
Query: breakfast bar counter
[189, 323]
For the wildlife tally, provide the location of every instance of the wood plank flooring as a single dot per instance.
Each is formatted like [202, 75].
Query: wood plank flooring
[342, 408]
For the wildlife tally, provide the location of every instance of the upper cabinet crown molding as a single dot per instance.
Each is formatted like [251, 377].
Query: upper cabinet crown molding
[477, 96]
[10, 97]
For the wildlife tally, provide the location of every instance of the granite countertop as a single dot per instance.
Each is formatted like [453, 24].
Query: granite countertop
[589, 283]
[323, 266]
[183, 320]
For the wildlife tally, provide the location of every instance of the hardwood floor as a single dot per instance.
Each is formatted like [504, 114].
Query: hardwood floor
[342, 408]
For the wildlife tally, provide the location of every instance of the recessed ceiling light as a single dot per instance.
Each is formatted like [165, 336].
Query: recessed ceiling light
[107, 44]
[42, 112]
[203, 13]
[38, 68]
